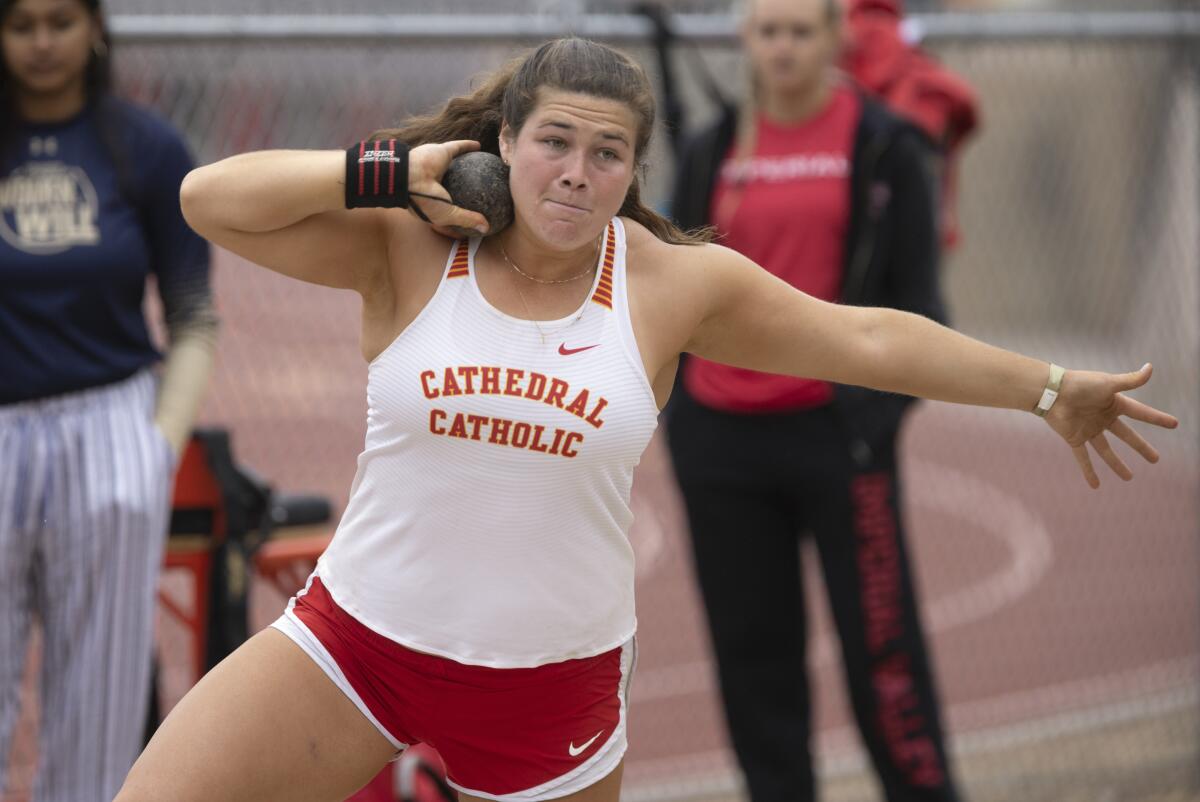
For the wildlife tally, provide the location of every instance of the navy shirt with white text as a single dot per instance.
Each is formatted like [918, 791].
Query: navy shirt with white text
[75, 254]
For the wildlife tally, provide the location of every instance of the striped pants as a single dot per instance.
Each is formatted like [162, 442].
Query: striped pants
[85, 481]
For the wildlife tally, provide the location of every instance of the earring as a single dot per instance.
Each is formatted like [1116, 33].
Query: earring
[99, 48]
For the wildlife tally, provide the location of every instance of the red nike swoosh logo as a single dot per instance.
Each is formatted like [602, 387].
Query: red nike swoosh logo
[565, 351]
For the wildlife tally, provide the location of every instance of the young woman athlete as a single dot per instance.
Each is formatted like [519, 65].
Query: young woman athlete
[478, 595]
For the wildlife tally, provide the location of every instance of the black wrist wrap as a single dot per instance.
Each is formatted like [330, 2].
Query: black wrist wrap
[377, 176]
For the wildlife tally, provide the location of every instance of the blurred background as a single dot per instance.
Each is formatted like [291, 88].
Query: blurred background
[326, 7]
[1065, 623]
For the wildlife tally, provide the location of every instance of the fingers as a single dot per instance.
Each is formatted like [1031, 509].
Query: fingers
[1131, 381]
[1100, 443]
[1085, 465]
[1138, 410]
[463, 220]
[1133, 440]
[1121, 405]
[460, 232]
[1145, 413]
[459, 146]
[435, 193]
[448, 220]
[427, 163]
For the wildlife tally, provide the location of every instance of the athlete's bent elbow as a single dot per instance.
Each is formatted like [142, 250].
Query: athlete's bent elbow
[193, 197]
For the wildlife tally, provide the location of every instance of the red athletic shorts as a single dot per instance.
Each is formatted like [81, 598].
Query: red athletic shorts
[513, 734]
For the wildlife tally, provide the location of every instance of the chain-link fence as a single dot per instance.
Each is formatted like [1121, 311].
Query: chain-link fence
[557, 7]
[1065, 623]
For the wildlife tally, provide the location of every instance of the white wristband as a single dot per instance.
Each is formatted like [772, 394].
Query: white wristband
[1050, 394]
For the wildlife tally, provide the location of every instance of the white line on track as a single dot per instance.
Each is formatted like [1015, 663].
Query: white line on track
[951, 492]
[1161, 689]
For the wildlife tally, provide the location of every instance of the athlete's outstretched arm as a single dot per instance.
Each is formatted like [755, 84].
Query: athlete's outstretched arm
[752, 319]
[286, 210]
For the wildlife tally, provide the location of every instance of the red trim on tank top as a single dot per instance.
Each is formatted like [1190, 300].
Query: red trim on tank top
[604, 289]
[461, 265]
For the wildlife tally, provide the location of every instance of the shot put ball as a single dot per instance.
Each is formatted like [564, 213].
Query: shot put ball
[479, 181]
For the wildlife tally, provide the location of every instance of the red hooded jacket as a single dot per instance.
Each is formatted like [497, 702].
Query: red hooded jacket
[913, 85]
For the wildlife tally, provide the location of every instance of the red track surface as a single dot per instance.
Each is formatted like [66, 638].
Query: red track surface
[1042, 596]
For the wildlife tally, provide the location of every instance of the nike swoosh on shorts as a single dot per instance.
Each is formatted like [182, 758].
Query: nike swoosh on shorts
[576, 751]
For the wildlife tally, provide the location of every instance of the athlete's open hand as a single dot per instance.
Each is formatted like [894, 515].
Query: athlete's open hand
[1090, 404]
[426, 166]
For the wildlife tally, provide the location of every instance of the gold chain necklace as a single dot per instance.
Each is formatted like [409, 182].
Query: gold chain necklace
[591, 266]
[529, 314]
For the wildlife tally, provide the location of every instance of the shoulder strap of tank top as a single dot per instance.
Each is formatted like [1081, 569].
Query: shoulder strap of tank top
[603, 294]
[458, 264]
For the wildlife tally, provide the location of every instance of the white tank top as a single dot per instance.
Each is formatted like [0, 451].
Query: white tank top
[488, 519]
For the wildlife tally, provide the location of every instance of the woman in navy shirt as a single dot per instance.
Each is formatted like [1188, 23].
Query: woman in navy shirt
[89, 433]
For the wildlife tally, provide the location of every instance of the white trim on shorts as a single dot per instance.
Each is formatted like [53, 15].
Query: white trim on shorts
[595, 768]
[291, 625]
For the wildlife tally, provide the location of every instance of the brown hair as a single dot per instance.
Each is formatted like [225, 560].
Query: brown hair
[510, 94]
